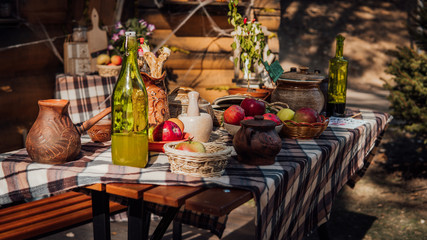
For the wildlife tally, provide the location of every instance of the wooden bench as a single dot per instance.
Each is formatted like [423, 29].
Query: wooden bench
[213, 201]
[48, 215]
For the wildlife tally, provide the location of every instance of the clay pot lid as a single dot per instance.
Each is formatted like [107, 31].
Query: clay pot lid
[302, 75]
[259, 123]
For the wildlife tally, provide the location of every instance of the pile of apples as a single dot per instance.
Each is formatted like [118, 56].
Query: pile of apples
[173, 130]
[248, 108]
[105, 59]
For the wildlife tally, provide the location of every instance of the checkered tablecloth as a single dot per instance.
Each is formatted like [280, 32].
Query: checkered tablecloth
[293, 196]
[88, 94]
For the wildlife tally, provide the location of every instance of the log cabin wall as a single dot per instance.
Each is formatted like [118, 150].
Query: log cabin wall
[27, 71]
[208, 64]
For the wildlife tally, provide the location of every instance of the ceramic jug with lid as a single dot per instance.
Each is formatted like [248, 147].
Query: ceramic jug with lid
[257, 142]
[53, 138]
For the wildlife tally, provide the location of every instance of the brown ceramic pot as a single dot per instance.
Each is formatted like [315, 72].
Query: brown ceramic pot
[101, 131]
[158, 110]
[53, 138]
[257, 142]
[300, 89]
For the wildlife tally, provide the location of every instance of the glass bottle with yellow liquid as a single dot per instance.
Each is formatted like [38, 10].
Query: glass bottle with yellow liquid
[129, 138]
[337, 86]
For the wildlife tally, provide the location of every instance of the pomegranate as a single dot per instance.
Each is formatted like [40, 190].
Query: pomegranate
[307, 115]
[167, 131]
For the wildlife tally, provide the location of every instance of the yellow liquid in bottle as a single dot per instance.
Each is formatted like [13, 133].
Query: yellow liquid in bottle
[129, 149]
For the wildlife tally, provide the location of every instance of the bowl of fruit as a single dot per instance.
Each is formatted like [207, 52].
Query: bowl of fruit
[168, 131]
[197, 159]
[305, 123]
[247, 109]
[108, 66]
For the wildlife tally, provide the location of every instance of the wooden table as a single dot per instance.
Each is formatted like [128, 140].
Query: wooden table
[293, 196]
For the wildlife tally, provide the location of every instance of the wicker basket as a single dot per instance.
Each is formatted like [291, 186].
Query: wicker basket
[209, 164]
[296, 130]
[108, 71]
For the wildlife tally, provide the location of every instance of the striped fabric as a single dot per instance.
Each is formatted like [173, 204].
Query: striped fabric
[293, 196]
[86, 94]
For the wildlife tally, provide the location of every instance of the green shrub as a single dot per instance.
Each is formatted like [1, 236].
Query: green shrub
[408, 90]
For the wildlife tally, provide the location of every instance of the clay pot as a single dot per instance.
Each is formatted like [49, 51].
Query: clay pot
[53, 138]
[101, 131]
[158, 110]
[257, 142]
[300, 89]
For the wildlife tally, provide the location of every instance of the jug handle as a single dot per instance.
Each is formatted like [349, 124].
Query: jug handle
[89, 123]
[248, 134]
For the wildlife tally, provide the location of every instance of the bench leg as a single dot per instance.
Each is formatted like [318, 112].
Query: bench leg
[164, 223]
[138, 220]
[322, 232]
[177, 230]
[101, 215]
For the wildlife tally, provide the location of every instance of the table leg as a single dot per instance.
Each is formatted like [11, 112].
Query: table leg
[101, 215]
[164, 223]
[138, 220]
[177, 230]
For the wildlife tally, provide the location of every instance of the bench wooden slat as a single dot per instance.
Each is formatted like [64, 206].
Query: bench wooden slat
[173, 196]
[218, 201]
[54, 207]
[128, 190]
[76, 209]
[34, 204]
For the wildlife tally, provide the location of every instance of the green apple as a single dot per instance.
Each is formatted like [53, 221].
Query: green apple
[285, 114]
[191, 146]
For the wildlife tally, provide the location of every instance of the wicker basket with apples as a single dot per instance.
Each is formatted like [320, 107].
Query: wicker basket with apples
[108, 66]
[305, 123]
[197, 159]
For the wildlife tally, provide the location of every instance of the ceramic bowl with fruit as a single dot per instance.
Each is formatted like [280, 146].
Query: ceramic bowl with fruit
[247, 109]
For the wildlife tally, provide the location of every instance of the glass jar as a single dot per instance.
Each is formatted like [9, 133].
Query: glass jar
[79, 34]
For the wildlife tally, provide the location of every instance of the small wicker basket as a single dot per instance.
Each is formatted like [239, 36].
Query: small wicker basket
[209, 164]
[108, 71]
[294, 130]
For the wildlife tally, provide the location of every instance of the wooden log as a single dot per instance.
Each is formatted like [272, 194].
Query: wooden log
[203, 78]
[208, 60]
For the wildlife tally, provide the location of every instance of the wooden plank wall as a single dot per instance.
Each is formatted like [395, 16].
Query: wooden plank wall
[208, 64]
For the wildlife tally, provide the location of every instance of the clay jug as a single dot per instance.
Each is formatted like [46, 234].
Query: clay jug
[158, 110]
[257, 142]
[53, 138]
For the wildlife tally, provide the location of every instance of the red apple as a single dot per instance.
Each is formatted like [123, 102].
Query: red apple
[253, 107]
[167, 131]
[307, 115]
[234, 114]
[248, 118]
[191, 146]
[116, 60]
[273, 117]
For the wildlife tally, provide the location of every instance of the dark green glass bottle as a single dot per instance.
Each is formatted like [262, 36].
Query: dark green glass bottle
[337, 86]
[129, 138]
